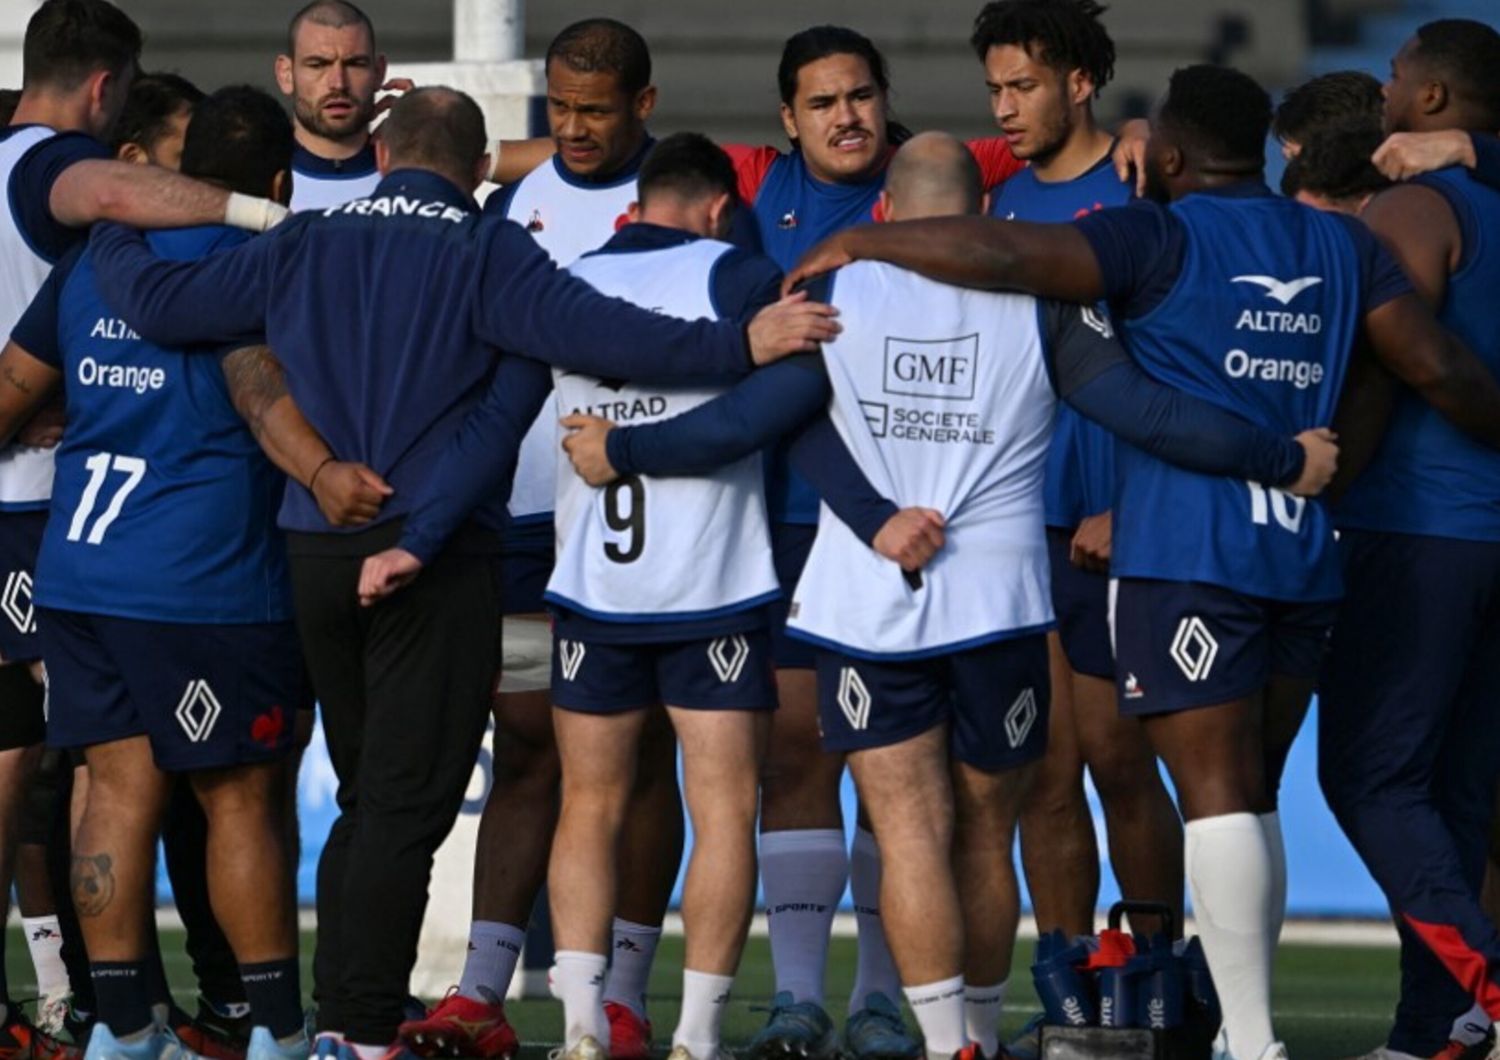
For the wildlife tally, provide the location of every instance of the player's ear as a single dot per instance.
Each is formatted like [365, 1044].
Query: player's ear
[1080, 87]
[633, 212]
[984, 204]
[1434, 97]
[1173, 161]
[788, 122]
[383, 155]
[281, 187]
[284, 74]
[133, 153]
[885, 206]
[720, 209]
[483, 169]
[645, 102]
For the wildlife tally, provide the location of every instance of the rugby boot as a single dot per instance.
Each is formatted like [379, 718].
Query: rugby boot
[629, 1034]
[264, 1047]
[877, 1032]
[461, 1026]
[799, 1029]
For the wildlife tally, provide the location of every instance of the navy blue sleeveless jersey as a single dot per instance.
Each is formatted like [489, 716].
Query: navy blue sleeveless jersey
[163, 507]
[1428, 477]
[1081, 462]
[1252, 302]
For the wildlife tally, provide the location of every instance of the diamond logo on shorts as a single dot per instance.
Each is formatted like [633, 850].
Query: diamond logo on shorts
[16, 601]
[854, 699]
[198, 710]
[1020, 718]
[727, 656]
[1194, 649]
[570, 657]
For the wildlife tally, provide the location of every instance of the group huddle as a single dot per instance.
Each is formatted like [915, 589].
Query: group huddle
[965, 466]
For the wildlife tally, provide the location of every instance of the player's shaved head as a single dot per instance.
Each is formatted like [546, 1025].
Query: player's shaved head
[1461, 56]
[240, 138]
[335, 14]
[1209, 129]
[933, 175]
[439, 129]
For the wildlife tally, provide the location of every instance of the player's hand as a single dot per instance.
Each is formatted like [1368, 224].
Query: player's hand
[1130, 152]
[585, 445]
[792, 325]
[384, 573]
[349, 494]
[1090, 547]
[831, 253]
[397, 86]
[45, 427]
[1407, 155]
[911, 537]
[1322, 461]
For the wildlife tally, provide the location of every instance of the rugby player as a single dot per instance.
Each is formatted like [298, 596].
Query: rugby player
[79, 58]
[599, 96]
[164, 659]
[1406, 741]
[331, 71]
[696, 640]
[1215, 644]
[1045, 61]
[1324, 105]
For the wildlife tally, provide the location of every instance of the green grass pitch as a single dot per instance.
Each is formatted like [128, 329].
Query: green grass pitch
[1331, 1002]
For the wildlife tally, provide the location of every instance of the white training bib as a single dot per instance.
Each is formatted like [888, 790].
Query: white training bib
[322, 191]
[25, 471]
[943, 397]
[647, 549]
[568, 217]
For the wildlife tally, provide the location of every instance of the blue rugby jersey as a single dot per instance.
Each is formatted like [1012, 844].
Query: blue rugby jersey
[1252, 302]
[1428, 477]
[387, 314]
[1081, 463]
[163, 507]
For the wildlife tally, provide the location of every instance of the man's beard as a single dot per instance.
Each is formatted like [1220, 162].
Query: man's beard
[310, 117]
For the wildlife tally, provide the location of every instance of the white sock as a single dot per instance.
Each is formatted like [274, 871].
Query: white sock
[1229, 874]
[875, 971]
[1270, 824]
[577, 980]
[44, 939]
[982, 1008]
[630, 969]
[939, 1008]
[1471, 1027]
[494, 949]
[704, 999]
[802, 874]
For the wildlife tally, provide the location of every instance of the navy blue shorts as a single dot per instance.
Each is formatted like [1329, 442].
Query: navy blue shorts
[1181, 645]
[719, 673]
[20, 541]
[207, 696]
[994, 699]
[526, 560]
[790, 544]
[1081, 599]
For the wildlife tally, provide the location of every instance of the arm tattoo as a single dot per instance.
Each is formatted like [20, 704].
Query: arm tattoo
[15, 380]
[93, 883]
[255, 382]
